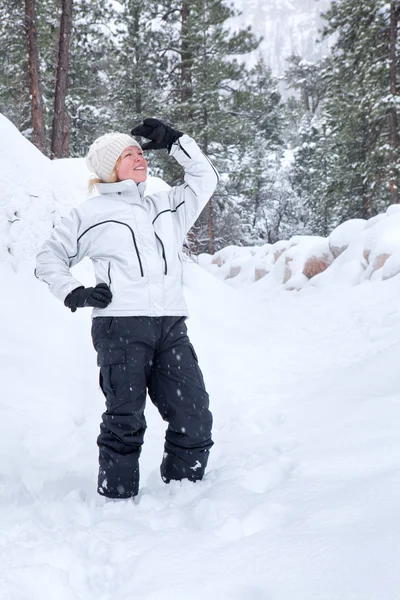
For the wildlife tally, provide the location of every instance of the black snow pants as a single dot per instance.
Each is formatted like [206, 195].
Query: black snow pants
[136, 354]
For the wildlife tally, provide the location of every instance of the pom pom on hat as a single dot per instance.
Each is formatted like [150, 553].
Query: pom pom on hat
[105, 151]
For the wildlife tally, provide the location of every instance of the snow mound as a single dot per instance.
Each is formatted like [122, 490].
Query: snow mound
[355, 251]
[27, 203]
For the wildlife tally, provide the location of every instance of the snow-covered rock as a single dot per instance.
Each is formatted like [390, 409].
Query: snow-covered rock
[381, 242]
[279, 248]
[307, 255]
[391, 266]
[341, 237]
[355, 251]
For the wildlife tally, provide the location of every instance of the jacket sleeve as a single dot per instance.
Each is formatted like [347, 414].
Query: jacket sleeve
[58, 254]
[201, 178]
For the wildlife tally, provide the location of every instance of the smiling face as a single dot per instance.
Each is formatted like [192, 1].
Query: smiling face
[132, 165]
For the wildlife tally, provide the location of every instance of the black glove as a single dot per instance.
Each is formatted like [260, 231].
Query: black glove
[98, 297]
[160, 134]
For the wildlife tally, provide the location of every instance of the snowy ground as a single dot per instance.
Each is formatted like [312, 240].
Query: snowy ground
[300, 501]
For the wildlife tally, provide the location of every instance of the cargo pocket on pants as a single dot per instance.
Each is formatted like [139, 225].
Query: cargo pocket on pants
[197, 368]
[113, 376]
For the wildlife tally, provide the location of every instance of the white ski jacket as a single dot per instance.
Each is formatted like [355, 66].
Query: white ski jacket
[134, 241]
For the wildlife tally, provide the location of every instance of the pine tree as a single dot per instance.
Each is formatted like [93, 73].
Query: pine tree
[314, 155]
[60, 127]
[92, 66]
[306, 78]
[203, 75]
[14, 69]
[92, 52]
[256, 154]
[138, 81]
[35, 87]
[314, 174]
[393, 117]
[361, 105]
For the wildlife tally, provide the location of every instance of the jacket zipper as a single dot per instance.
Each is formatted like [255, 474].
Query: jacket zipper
[109, 274]
[163, 254]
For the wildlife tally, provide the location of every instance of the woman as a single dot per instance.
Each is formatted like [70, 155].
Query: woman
[138, 328]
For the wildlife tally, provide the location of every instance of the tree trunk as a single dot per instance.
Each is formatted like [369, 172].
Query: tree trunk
[394, 136]
[135, 9]
[257, 201]
[306, 99]
[60, 133]
[186, 57]
[66, 137]
[366, 206]
[37, 110]
[211, 241]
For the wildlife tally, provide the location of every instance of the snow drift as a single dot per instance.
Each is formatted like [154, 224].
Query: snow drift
[356, 251]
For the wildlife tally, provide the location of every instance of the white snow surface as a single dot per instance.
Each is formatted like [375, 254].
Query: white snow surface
[300, 499]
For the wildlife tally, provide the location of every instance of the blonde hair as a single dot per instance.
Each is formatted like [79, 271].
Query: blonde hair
[113, 178]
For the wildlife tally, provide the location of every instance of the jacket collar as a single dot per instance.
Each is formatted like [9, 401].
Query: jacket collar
[128, 189]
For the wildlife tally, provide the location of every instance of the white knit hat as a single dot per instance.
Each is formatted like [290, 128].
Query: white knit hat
[105, 151]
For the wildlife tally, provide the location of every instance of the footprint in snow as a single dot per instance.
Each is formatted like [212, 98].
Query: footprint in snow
[266, 477]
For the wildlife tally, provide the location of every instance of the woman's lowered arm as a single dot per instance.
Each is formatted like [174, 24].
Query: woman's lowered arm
[58, 254]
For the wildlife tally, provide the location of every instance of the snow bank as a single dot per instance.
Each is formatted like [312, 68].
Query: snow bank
[355, 251]
[27, 203]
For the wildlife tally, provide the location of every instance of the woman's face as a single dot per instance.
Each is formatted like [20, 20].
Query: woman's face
[132, 165]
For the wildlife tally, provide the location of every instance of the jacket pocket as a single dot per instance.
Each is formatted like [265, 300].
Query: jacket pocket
[113, 373]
